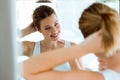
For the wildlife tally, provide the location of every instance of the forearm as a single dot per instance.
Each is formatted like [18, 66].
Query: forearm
[49, 60]
[29, 29]
[66, 75]
[49, 75]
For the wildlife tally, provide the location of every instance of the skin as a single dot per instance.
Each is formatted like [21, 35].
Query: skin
[44, 72]
[50, 29]
[44, 67]
[40, 67]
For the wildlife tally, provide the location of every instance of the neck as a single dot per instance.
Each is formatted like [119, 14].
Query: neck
[49, 43]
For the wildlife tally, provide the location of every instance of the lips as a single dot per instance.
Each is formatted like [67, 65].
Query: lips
[54, 36]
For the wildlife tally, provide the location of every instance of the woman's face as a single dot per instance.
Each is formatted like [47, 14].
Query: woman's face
[50, 28]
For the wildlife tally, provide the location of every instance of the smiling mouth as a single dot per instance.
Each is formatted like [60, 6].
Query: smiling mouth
[54, 36]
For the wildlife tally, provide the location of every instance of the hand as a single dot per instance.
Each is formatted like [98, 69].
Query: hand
[102, 64]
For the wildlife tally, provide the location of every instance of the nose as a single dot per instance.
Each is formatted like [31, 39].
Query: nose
[54, 30]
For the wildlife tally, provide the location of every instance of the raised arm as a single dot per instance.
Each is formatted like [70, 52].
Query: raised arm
[66, 75]
[29, 29]
[48, 60]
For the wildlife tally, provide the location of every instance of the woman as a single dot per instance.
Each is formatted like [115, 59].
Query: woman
[100, 24]
[45, 21]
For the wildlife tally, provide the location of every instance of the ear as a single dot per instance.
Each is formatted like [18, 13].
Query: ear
[36, 28]
[40, 31]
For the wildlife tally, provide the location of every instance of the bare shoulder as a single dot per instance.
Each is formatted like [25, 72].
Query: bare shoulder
[73, 43]
[63, 42]
[28, 47]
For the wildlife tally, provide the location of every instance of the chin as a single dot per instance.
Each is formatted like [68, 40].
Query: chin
[55, 39]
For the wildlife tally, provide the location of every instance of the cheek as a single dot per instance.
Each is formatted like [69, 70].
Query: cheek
[45, 33]
[59, 29]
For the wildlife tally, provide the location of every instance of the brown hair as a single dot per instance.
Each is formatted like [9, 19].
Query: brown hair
[99, 16]
[40, 13]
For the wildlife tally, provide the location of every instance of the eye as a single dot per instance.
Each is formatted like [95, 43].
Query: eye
[47, 28]
[56, 24]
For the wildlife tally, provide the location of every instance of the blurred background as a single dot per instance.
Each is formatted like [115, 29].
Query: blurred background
[68, 12]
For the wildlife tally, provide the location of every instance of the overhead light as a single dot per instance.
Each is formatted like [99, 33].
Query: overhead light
[43, 1]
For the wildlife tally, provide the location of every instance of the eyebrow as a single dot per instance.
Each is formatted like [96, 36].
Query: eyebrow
[49, 25]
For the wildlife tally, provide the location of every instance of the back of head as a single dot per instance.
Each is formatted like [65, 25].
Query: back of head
[99, 16]
[40, 13]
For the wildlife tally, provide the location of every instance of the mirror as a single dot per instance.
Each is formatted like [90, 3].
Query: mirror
[68, 20]
[68, 23]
